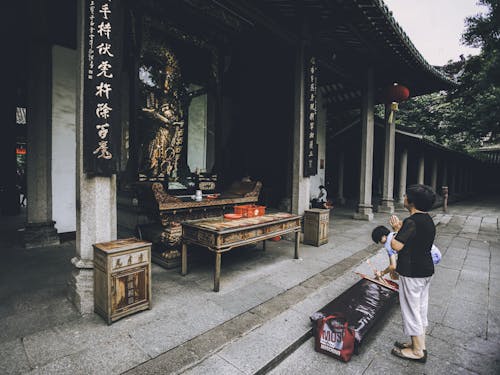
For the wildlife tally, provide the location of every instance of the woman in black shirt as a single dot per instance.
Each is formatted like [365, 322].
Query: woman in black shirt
[413, 243]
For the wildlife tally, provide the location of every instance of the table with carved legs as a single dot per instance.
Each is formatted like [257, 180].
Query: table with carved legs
[221, 235]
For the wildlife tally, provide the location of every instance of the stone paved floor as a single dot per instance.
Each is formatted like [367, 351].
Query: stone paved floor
[464, 310]
[40, 332]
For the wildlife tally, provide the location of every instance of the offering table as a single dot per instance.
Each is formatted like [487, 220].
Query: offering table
[168, 211]
[220, 235]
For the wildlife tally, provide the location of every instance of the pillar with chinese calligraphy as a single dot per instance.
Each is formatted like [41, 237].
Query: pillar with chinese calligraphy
[300, 181]
[100, 87]
[97, 119]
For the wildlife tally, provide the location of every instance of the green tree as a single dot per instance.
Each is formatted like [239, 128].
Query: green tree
[483, 31]
[468, 115]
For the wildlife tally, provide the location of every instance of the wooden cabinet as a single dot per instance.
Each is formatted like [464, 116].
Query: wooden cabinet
[122, 278]
[316, 222]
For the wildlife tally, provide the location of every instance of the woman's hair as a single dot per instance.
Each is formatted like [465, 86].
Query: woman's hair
[421, 196]
[321, 186]
[379, 232]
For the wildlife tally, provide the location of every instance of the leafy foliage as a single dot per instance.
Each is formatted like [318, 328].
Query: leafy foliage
[469, 115]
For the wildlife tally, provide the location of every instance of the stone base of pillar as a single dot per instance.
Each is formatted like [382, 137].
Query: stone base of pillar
[81, 286]
[364, 213]
[40, 235]
[341, 201]
[399, 204]
[387, 206]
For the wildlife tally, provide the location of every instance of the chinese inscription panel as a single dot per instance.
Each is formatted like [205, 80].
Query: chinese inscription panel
[310, 118]
[101, 70]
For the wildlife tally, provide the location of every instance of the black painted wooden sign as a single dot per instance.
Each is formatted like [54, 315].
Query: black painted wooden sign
[310, 118]
[101, 122]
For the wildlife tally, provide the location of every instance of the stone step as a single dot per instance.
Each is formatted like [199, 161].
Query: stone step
[243, 335]
[260, 350]
[259, 339]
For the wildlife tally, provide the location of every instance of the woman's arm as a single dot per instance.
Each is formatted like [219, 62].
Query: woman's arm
[396, 245]
[407, 231]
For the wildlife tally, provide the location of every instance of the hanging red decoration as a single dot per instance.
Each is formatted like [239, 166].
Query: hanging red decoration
[393, 95]
[396, 93]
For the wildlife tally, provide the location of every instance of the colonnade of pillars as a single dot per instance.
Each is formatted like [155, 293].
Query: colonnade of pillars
[459, 179]
[454, 173]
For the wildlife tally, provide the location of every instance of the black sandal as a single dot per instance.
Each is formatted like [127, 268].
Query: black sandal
[398, 353]
[401, 345]
[404, 345]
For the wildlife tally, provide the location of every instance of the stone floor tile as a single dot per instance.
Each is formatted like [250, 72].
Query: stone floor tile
[214, 365]
[13, 359]
[467, 316]
[306, 360]
[111, 357]
[466, 339]
[461, 357]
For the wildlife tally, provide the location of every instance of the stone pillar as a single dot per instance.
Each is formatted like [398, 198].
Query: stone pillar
[9, 194]
[95, 200]
[403, 172]
[434, 173]
[465, 179]
[444, 176]
[300, 184]
[473, 178]
[459, 181]
[453, 179]
[40, 229]
[421, 170]
[470, 178]
[340, 182]
[365, 209]
[387, 204]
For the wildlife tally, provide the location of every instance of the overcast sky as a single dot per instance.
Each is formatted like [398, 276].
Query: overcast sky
[435, 26]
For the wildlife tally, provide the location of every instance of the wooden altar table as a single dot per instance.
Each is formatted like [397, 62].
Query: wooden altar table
[220, 235]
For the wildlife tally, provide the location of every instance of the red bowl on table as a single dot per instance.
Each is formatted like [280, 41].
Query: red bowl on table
[232, 216]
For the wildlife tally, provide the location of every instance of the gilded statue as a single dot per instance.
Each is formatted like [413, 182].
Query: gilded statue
[164, 110]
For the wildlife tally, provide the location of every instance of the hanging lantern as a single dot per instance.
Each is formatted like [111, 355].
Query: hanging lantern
[395, 94]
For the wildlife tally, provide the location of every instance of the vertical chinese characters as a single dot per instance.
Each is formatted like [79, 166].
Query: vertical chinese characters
[310, 147]
[103, 80]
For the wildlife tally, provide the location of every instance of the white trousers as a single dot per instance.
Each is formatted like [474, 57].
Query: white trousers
[414, 301]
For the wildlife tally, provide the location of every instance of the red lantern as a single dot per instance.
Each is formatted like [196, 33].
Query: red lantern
[396, 93]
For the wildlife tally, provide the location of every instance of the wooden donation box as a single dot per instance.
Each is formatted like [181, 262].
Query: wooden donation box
[122, 278]
[316, 223]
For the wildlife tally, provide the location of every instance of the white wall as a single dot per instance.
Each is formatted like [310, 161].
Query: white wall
[63, 138]
[197, 134]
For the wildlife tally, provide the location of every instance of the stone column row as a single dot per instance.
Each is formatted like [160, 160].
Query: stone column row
[458, 177]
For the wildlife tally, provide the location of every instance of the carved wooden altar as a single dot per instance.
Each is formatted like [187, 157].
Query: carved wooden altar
[169, 211]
